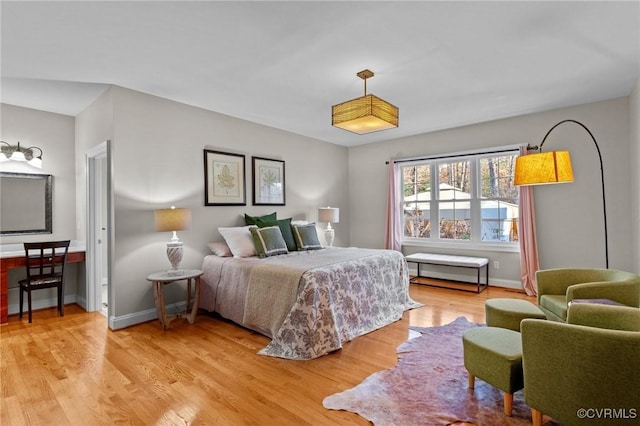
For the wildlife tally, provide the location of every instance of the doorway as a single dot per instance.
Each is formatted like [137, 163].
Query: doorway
[99, 230]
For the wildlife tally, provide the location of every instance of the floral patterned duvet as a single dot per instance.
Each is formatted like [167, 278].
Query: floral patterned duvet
[333, 302]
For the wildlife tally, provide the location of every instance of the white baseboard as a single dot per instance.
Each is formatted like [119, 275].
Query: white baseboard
[515, 285]
[40, 303]
[115, 323]
[82, 302]
[128, 320]
[123, 321]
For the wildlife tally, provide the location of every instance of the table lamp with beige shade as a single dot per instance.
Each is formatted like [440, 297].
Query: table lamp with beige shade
[329, 215]
[173, 220]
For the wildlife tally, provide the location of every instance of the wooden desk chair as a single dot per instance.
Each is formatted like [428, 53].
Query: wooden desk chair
[44, 263]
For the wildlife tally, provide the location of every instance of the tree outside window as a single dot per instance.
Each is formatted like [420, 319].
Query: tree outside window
[476, 199]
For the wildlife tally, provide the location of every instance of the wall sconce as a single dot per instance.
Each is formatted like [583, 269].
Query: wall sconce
[173, 220]
[329, 215]
[17, 153]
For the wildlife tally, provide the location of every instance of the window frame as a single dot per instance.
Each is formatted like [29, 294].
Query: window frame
[475, 201]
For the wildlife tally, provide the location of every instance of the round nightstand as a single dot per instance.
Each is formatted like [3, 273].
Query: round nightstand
[160, 279]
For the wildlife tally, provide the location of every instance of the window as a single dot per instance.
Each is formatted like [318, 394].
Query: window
[476, 200]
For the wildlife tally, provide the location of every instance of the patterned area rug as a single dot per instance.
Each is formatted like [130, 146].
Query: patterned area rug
[429, 386]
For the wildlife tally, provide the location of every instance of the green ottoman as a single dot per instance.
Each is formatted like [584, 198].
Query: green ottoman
[494, 355]
[507, 313]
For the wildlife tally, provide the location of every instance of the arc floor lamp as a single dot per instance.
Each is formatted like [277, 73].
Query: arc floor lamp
[555, 167]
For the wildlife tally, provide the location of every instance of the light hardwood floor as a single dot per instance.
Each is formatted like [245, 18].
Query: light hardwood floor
[73, 370]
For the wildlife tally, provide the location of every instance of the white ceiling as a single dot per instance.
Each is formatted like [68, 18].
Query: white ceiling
[283, 64]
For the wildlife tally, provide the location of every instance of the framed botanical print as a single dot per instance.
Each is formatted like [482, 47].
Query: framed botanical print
[224, 179]
[268, 182]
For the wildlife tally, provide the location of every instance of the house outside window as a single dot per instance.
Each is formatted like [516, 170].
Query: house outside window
[476, 202]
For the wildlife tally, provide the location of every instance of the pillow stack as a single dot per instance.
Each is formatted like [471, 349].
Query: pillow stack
[266, 236]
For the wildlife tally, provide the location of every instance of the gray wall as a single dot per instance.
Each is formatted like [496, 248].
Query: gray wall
[93, 126]
[157, 150]
[54, 133]
[569, 216]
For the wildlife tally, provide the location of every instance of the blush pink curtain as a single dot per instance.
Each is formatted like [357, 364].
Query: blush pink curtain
[528, 246]
[392, 235]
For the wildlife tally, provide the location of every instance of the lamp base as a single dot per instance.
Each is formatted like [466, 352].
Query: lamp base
[329, 235]
[174, 253]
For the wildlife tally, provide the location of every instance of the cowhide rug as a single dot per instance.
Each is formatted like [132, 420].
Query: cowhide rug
[429, 386]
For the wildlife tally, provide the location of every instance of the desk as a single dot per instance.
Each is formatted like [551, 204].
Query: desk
[12, 256]
[160, 279]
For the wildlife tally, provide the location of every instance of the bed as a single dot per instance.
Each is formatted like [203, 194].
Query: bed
[308, 302]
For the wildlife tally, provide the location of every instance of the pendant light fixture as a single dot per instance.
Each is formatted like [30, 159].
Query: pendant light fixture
[365, 114]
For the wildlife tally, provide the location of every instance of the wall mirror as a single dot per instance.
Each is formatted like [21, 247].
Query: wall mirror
[25, 203]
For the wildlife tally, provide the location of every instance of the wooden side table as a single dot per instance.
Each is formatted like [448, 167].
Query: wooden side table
[160, 279]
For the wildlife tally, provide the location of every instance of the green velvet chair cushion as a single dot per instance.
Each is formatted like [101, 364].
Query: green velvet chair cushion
[555, 304]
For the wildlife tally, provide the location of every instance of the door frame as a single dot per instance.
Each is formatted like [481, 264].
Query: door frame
[94, 207]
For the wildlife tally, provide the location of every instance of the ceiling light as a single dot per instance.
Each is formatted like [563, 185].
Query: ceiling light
[365, 114]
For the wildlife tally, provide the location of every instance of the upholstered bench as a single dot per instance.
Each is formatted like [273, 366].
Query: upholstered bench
[494, 355]
[476, 263]
[508, 313]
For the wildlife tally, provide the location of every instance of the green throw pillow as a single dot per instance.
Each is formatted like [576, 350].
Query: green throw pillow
[268, 241]
[306, 237]
[285, 229]
[251, 220]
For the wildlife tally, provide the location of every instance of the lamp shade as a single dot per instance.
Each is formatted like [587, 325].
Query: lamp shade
[364, 115]
[18, 155]
[543, 167]
[329, 214]
[172, 219]
[36, 162]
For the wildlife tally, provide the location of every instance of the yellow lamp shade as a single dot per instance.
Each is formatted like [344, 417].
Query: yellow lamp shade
[172, 219]
[543, 168]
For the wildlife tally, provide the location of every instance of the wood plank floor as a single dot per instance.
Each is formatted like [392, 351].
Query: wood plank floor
[74, 371]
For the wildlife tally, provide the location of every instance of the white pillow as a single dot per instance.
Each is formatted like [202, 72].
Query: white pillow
[220, 248]
[299, 222]
[239, 240]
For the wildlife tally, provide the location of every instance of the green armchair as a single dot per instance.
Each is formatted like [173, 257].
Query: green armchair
[558, 287]
[586, 371]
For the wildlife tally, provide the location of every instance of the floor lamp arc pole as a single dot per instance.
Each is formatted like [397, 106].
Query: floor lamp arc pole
[604, 203]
